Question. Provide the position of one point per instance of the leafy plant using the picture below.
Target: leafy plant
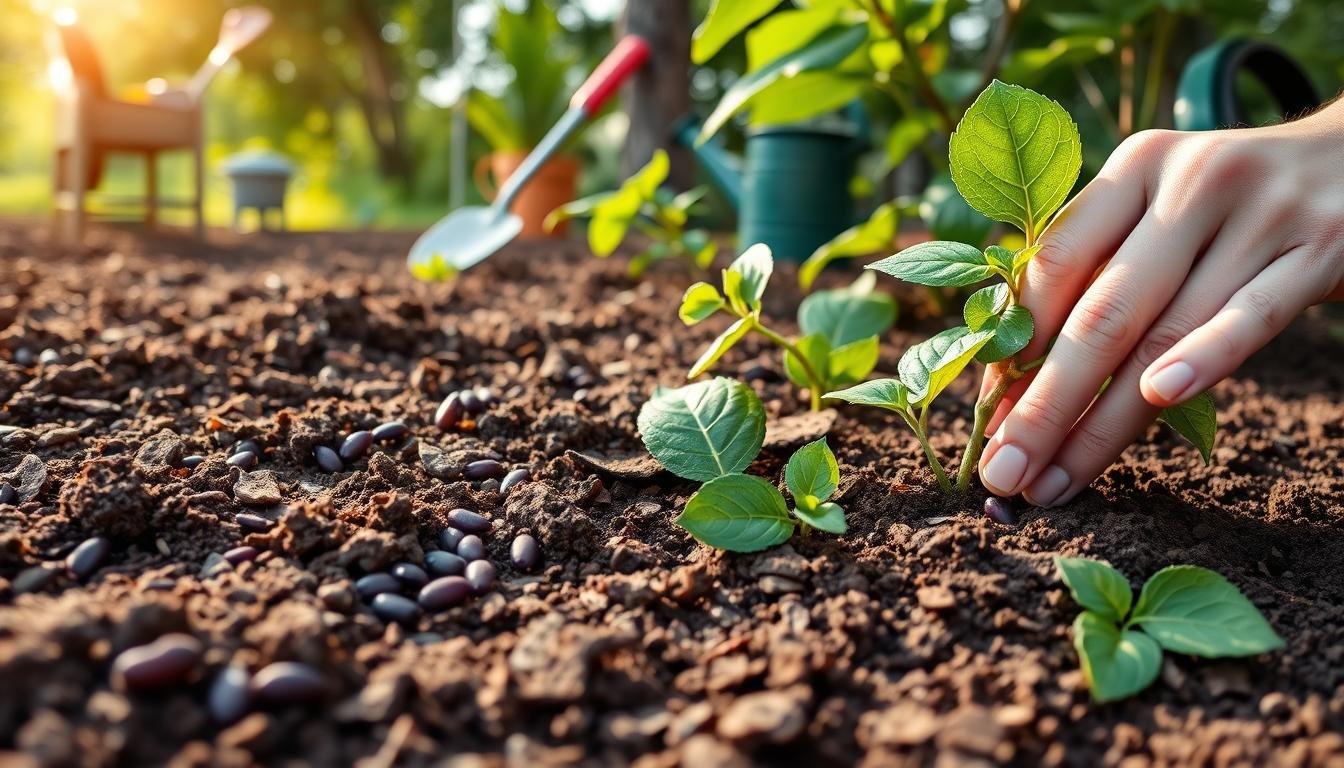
(642, 203)
(711, 431)
(1182, 608)
(1014, 156)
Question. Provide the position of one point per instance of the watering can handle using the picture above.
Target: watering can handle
(1206, 97)
(628, 55)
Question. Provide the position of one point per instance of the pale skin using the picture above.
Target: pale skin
(1186, 254)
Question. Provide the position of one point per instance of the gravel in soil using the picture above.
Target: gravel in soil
(928, 633)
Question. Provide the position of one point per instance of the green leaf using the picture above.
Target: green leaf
(1012, 333)
(874, 235)
(1022, 257)
(937, 263)
(436, 270)
(1096, 586)
(805, 96)
(700, 301)
(985, 305)
(845, 316)
(704, 430)
(574, 209)
(786, 31)
(1015, 156)
(1115, 663)
(851, 362)
(826, 50)
(906, 136)
(927, 368)
(611, 220)
(949, 216)
(826, 516)
(1196, 420)
(493, 120)
(1029, 65)
(647, 179)
(890, 394)
(745, 279)
(812, 471)
(722, 344)
(817, 350)
(1000, 257)
(726, 18)
(739, 513)
(1194, 610)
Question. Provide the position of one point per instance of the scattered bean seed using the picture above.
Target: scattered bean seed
(449, 538)
(392, 430)
(160, 585)
(167, 660)
(285, 682)
(449, 413)
(513, 478)
(356, 444)
(251, 446)
(241, 555)
(252, 522)
(481, 575)
(87, 557)
(524, 552)
(229, 695)
(394, 607)
(193, 461)
(1000, 511)
(445, 564)
(49, 357)
(486, 396)
(410, 575)
(470, 402)
(327, 459)
(471, 548)
(466, 520)
(376, 584)
(426, 638)
(243, 460)
(8, 495)
(444, 593)
(23, 356)
(480, 470)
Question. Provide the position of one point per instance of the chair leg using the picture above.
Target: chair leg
(151, 190)
(199, 202)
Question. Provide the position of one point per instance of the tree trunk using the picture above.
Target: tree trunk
(661, 92)
(382, 110)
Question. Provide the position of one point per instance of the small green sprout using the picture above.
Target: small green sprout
(437, 270)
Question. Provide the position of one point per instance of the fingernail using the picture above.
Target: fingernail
(1172, 381)
(1005, 470)
(1049, 487)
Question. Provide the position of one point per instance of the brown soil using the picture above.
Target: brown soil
(927, 634)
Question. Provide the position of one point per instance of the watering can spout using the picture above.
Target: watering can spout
(723, 167)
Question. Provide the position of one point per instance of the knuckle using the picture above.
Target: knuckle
(1144, 146)
(1105, 322)
(1160, 339)
(1054, 262)
(1263, 307)
(1095, 438)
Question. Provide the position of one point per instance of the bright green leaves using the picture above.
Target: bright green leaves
(1015, 156)
(890, 394)
(990, 310)
(700, 301)
(927, 368)
(875, 234)
(436, 270)
(726, 18)
(1196, 420)
(744, 284)
(704, 430)
(937, 263)
(739, 513)
(846, 315)
(745, 279)
(724, 342)
(812, 471)
(1182, 608)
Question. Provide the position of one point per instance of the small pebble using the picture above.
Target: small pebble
(513, 478)
(1000, 511)
(524, 552)
(471, 548)
(167, 660)
(8, 495)
(252, 522)
(470, 402)
(160, 585)
(480, 470)
(410, 575)
(444, 593)
(466, 520)
(23, 356)
(229, 695)
(249, 446)
(49, 357)
(449, 413)
(450, 538)
(243, 460)
(393, 607)
(286, 682)
(327, 459)
(193, 461)
(481, 575)
(376, 584)
(356, 444)
(445, 564)
(241, 555)
(486, 396)
(392, 430)
(337, 596)
(87, 557)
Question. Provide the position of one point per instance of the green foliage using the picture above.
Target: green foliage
(725, 20)
(739, 513)
(841, 328)
(1182, 608)
(937, 263)
(1196, 420)
(705, 430)
(928, 367)
(875, 234)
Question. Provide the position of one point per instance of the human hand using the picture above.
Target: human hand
(1211, 244)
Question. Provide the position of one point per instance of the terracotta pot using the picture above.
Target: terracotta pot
(552, 187)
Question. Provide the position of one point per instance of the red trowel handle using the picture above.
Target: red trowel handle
(628, 55)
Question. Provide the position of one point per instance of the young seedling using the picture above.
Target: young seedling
(1182, 608)
(1014, 157)
(711, 431)
(840, 328)
(642, 204)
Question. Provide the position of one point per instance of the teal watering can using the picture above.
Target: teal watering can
(791, 187)
(1207, 96)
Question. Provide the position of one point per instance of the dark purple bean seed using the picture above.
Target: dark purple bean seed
(193, 461)
(23, 356)
(449, 412)
(356, 444)
(376, 584)
(470, 402)
(444, 593)
(445, 563)
(480, 470)
(327, 459)
(466, 520)
(165, 661)
(252, 522)
(241, 555)
(410, 575)
(250, 446)
(393, 607)
(449, 538)
(471, 548)
(286, 682)
(513, 478)
(243, 460)
(481, 576)
(8, 495)
(524, 552)
(49, 357)
(1000, 511)
(229, 695)
(486, 396)
(392, 430)
(160, 585)
(87, 557)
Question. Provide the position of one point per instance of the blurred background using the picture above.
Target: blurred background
(359, 94)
